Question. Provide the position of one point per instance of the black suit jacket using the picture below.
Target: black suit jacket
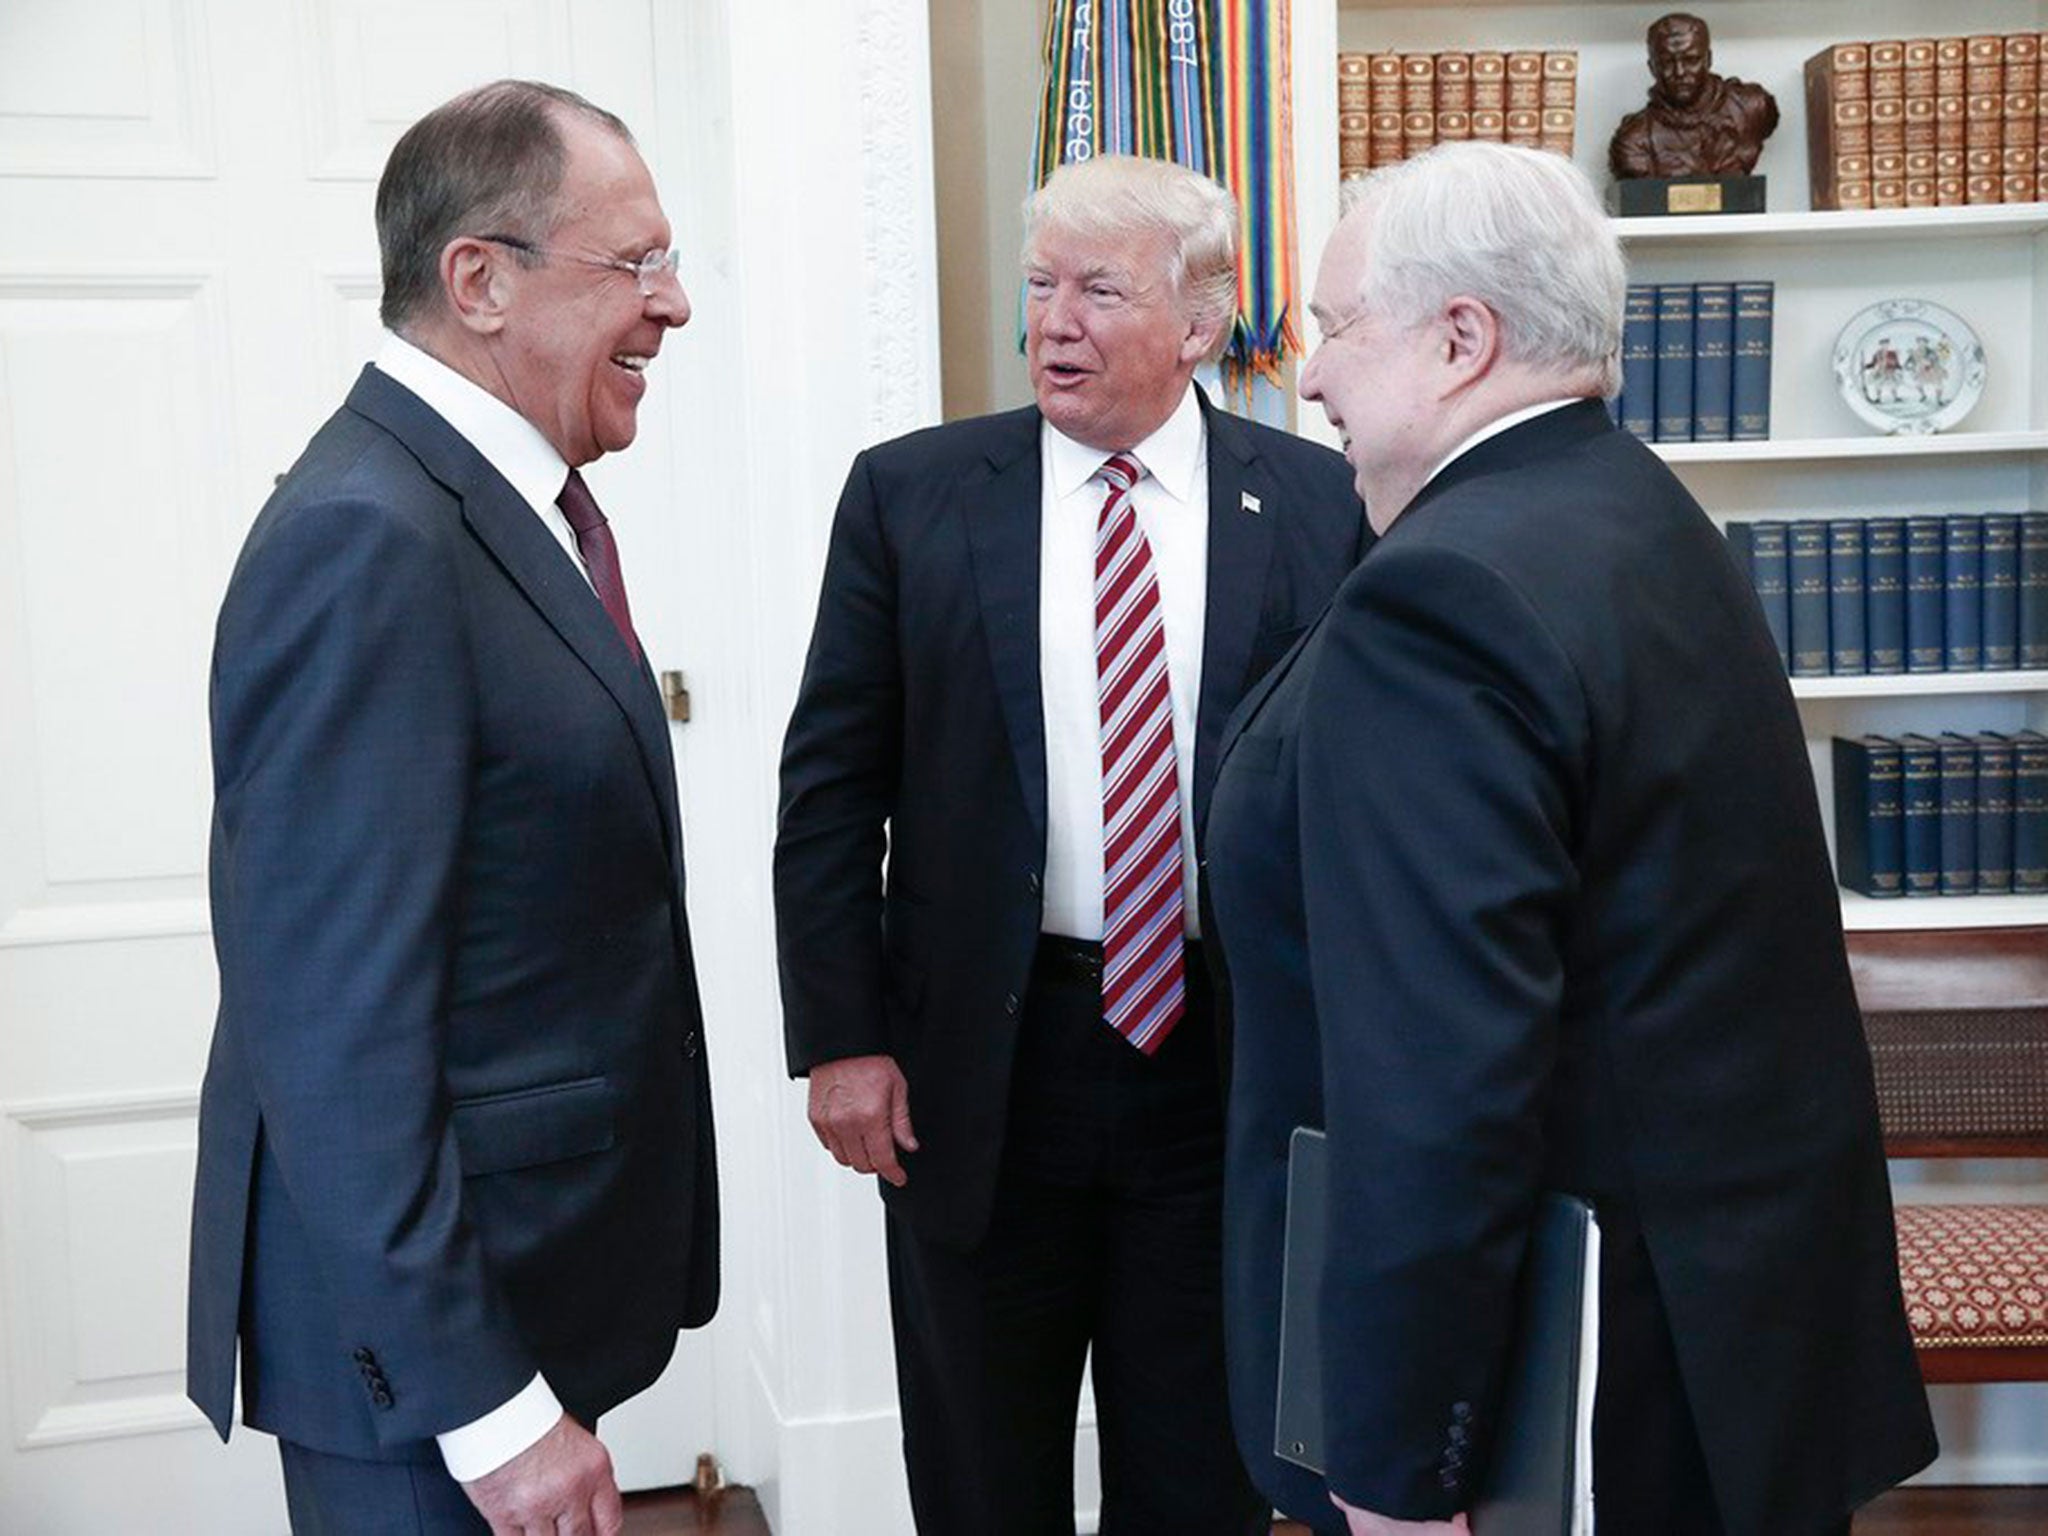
(919, 729)
(456, 1126)
(1517, 869)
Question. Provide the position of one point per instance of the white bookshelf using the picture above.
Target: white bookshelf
(1987, 264)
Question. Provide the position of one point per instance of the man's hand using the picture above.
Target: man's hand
(860, 1108)
(561, 1485)
(1364, 1522)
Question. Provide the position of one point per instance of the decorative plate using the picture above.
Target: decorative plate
(1908, 365)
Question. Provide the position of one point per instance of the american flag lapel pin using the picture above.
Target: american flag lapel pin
(1247, 502)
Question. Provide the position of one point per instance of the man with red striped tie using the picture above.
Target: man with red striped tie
(1032, 628)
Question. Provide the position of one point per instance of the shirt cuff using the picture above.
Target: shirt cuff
(483, 1445)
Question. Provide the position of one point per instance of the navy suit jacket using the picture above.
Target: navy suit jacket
(919, 727)
(1517, 871)
(456, 1126)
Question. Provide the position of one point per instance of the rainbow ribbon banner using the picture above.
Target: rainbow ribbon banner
(1204, 83)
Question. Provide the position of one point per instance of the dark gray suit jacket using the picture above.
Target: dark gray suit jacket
(456, 1126)
(1517, 869)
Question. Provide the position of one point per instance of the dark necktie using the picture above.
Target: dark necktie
(600, 555)
(1143, 986)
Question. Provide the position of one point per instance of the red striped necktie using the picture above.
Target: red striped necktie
(600, 554)
(1143, 985)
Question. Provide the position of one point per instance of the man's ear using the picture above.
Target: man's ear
(474, 278)
(1202, 340)
(1470, 337)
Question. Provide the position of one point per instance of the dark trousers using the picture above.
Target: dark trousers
(328, 1495)
(1106, 1236)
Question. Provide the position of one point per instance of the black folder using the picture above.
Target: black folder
(1539, 1480)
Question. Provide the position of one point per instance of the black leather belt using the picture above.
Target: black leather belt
(1080, 960)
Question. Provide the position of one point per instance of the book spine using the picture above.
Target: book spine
(1354, 144)
(1750, 372)
(2001, 637)
(1984, 119)
(1884, 594)
(1354, 82)
(1770, 572)
(1994, 814)
(1838, 126)
(2033, 590)
(1524, 127)
(1846, 655)
(1807, 567)
(1713, 365)
(1674, 362)
(1920, 122)
(1924, 641)
(1418, 103)
(1453, 83)
(1869, 851)
(1920, 815)
(1962, 583)
(2029, 813)
(1639, 361)
(2021, 107)
(1384, 121)
(1951, 55)
(1489, 82)
(1525, 81)
(1958, 759)
(1888, 125)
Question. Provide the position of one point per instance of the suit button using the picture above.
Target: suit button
(381, 1396)
(363, 1355)
(1031, 881)
(1459, 1435)
(1011, 1005)
(690, 1044)
(1461, 1411)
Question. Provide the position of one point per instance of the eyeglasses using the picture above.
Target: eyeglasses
(648, 271)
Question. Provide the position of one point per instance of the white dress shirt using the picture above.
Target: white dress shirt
(1172, 504)
(512, 446)
(510, 443)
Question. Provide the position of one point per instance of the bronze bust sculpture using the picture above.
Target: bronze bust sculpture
(1696, 123)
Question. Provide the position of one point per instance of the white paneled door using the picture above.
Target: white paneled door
(187, 283)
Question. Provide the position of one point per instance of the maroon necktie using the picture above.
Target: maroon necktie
(600, 555)
(1143, 985)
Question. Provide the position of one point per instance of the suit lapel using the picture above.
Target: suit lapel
(1003, 509)
(1240, 553)
(522, 546)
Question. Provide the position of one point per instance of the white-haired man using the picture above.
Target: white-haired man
(1518, 869)
(1032, 628)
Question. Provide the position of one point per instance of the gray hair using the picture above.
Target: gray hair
(1121, 195)
(1521, 230)
(488, 162)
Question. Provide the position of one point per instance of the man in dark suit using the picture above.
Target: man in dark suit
(1518, 874)
(1032, 628)
(456, 1187)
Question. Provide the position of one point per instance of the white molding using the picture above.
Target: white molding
(1911, 685)
(1891, 225)
(177, 145)
(1794, 449)
(106, 922)
(899, 287)
(102, 1108)
(114, 1419)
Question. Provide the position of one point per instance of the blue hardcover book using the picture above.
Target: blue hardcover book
(1962, 585)
(2033, 595)
(1761, 552)
(1674, 362)
(1639, 361)
(1807, 566)
(1846, 656)
(1920, 814)
(2001, 577)
(1751, 392)
(1924, 538)
(1713, 362)
(1994, 813)
(1884, 593)
(2029, 813)
(1869, 840)
(1958, 758)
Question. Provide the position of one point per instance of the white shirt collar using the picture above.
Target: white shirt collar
(1495, 428)
(510, 443)
(1172, 455)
